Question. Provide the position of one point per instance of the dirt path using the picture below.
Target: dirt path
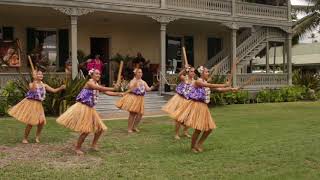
(53, 155)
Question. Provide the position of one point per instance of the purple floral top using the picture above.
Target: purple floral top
(39, 94)
(88, 97)
(139, 91)
(184, 89)
(200, 94)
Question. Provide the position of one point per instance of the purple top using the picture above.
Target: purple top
(39, 94)
(184, 89)
(198, 94)
(88, 97)
(139, 91)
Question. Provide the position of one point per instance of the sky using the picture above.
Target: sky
(306, 38)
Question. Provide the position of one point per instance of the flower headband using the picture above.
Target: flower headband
(200, 69)
(91, 71)
(135, 70)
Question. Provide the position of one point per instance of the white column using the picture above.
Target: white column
(233, 8)
(274, 57)
(163, 33)
(163, 4)
(74, 45)
(233, 56)
(284, 57)
(289, 51)
(74, 13)
(267, 57)
(289, 11)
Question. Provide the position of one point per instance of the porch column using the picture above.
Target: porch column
(233, 6)
(289, 51)
(163, 33)
(284, 57)
(289, 11)
(163, 4)
(74, 13)
(267, 57)
(164, 21)
(274, 57)
(74, 45)
(233, 56)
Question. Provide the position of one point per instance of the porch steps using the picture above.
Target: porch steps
(107, 109)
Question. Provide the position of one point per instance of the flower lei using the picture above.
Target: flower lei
(208, 93)
(95, 96)
(200, 69)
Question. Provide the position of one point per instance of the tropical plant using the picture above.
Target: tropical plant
(310, 21)
(307, 79)
(59, 102)
(118, 57)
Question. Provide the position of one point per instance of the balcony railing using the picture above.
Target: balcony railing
(262, 80)
(242, 9)
(260, 10)
(214, 6)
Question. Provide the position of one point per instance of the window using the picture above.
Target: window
(174, 60)
(43, 48)
(46, 43)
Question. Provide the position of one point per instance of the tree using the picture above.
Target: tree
(310, 21)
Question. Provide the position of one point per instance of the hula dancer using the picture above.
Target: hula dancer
(30, 110)
(82, 116)
(196, 113)
(133, 102)
(181, 97)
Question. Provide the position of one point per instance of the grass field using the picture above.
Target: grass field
(257, 141)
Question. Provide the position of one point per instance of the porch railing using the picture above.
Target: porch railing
(225, 7)
(6, 77)
(155, 3)
(263, 80)
(260, 10)
(218, 6)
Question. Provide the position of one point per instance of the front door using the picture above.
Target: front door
(214, 46)
(100, 46)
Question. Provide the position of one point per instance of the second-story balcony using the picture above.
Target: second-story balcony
(211, 10)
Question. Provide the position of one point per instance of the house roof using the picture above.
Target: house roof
(302, 54)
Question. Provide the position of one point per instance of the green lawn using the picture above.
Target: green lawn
(257, 141)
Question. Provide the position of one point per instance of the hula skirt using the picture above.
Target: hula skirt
(132, 103)
(28, 111)
(82, 118)
(173, 104)
(196, 115)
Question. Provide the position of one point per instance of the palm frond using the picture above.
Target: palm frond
(308, 23)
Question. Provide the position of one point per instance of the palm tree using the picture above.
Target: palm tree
(310, 21)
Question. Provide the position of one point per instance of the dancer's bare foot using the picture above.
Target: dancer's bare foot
(94, 147)
(79, 152)
(37, 140)
(199, 148)
(187, 135)
(177, 137)
(25, 141)
(130, 131)
(194, 150)
(136, 130)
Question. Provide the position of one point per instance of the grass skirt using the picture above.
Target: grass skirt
(195, 115)
(82, 118)
(28, 111)
(173, 104)
(131, 103)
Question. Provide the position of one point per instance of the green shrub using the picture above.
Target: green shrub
(306, 79)
(217, 99)
(285, 94)
(54, 104)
